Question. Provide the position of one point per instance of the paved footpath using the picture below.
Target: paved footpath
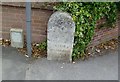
(0, 63)
(17, 67)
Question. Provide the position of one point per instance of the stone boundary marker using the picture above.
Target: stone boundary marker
(60, 37)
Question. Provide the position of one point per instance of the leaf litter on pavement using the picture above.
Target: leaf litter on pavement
(38, 53)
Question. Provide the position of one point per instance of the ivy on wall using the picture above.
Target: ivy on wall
(85, 15)
(43, 46)
(118, 6)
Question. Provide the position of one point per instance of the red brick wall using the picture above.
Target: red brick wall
(14, 17)
(103, 35)
(39, 5)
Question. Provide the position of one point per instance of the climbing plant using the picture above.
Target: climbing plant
(85, 15)
(43, 45)
(118, 6)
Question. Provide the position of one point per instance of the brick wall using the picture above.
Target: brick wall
(38, 5)
(103, 35)
(14, 17)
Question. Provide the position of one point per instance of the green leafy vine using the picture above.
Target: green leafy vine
(85, 15)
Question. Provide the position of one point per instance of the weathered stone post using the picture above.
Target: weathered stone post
(60, 37)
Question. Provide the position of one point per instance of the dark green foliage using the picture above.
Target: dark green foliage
(118, 6)
(43, 45)
(85, 15)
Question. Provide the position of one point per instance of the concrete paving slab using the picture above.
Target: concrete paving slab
(0, 63)
(101, 68)
(0, 69)
(0, 51)
(16, 67)
(14, 64)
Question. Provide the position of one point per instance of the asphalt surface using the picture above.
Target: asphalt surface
(0, 63)
(15, 66)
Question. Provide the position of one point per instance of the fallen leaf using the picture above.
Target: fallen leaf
(106, 47)
(97, 50)
(27, 56)
(61, 67)
(73, 62)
